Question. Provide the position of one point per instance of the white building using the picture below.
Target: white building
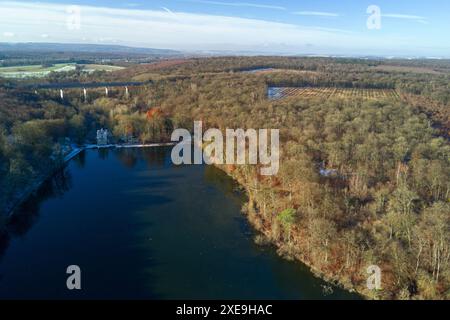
(102, 137)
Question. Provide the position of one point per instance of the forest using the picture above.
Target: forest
(362, 181)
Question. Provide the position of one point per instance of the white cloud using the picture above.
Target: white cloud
(184, 31)
(8, 34)
(158, 28)
(316, 13)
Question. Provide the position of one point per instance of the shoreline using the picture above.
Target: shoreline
(250, 216)
(11, 207)
(257, 222)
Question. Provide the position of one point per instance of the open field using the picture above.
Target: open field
(100, 67)
(34, 70)
(40, 71)
(276, 93)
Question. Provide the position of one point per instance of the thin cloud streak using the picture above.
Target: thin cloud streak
(316, 13)
(169, 11)
(419, 19)
(402, 16)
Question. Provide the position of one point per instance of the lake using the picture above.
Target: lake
(141, 228)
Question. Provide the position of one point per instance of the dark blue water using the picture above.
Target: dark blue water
(139, 227)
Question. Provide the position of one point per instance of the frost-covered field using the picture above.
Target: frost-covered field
(39, 71)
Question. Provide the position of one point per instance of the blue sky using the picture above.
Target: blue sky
(407, 28)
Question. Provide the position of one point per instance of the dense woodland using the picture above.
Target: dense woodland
(385, 203)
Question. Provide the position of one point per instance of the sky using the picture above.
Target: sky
(323, 27)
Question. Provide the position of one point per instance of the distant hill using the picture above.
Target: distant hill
(87, 48)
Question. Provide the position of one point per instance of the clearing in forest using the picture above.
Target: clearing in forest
(276, 93)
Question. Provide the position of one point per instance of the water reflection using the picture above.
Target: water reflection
(80, 160)
(103, 153)
(127, 157)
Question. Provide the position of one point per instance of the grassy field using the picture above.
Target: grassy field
(100, 67)
(34, 70)
(276, 93)
(39, 71)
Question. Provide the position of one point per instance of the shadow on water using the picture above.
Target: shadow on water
(218, 179)
(27, 214)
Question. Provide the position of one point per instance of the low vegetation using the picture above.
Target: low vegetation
(308, 92)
